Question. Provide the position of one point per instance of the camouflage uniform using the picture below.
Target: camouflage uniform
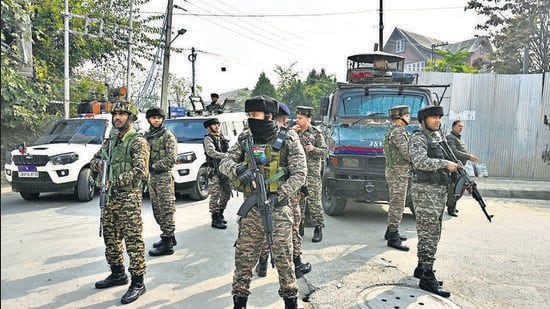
(163, 147)
(428, 191)
(396, 143)
(122, 219)
(219, 187)
(251, 236)
(314, 136)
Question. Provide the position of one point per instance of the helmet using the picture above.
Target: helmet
(214, 95)
(155, 111)
(124, 107)
(210, 122)
(262, 103)
(430, 111)
(398, 111)
(283, 109)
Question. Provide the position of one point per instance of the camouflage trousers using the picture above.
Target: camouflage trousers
(313, 201)
(429, 204)
(252, 239)
(163, 201)
(122, 221)
(293, 203)
(219, 189)
(397, 178)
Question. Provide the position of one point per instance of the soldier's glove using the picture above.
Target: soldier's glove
(304, 191)
(244, 175)
(272, 198)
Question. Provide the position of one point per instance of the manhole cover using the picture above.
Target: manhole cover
(401, 297)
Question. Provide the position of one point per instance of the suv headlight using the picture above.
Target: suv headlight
(186, 157)
(64, 158)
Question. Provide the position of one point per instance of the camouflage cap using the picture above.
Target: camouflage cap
(305, 110)
(124, 107)
(398, 111)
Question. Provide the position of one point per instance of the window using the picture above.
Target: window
(356, 104)
(400, 46)
(415, 66)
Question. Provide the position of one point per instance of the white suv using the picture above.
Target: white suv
(190, 171)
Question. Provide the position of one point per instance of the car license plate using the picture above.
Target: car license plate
(28, 171)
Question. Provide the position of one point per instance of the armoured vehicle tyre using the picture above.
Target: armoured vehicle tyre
(29, 196)
(332, 205)
(85, 187)
(200, 187)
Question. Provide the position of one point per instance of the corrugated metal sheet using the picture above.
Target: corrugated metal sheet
(503, 119)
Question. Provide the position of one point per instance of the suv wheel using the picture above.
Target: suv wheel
(332, 205)
(200, 187)
(85, 186)
(29, 196)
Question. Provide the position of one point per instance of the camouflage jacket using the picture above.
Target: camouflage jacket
(315, 137)
(396, 146)
(418, 151)
(163, 151)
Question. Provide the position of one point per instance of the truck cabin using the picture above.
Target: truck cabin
(377, 67)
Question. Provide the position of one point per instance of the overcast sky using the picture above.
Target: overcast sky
(314, 33)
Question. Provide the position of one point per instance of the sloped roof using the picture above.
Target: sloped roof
(422, 40)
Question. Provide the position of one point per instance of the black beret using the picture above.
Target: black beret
(305, 110)
(430, 111)
(262, 103)
(210, 122)
(155, 111)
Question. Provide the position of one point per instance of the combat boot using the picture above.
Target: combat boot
(222, 218)
(429, 283)
(402, 237)
(136, 289)
(165, 247)
(261, 267)
(117, 277)
(291, 303)
(239, 302)
(395, 242)
(300, 268)
(418, 273)
(317, 234)
(452, 211)
(157, 244)
(217, 222)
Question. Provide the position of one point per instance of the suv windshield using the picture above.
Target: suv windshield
(77, 131)
(187, 130)
(356, 104)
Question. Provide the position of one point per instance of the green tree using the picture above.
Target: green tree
(286, 77)
(512, 26)
(318, 85)
(264, 87)
(451, 62)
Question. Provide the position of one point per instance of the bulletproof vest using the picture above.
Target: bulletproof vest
(222, 145)
(156, 145)
(441, 176)
(121, 159)
(393, 156)
(268, 160)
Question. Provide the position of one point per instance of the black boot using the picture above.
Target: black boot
(317, 234)
(136, 289)
(300, 268)
(429, 283)
(239, 302)
(402, 237)
(418, 273)
(165, 247)
(157, 244)
(217, 222)
(395, 242)
(291, 303)
(117, 277)
(261, 267)
(452, 211)
(222, 218)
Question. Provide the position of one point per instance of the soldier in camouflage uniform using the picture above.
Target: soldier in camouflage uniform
(314, 144)
(300, 269)
(275, 150)
(457, 145)
(219, 188)
(129, 163)
(396, 151)
(163, 149)
(429, 192)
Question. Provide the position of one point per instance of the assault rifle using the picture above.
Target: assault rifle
(105, 173)
(266, 210)
(464, 180)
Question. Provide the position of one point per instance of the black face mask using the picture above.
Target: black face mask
(262, 130)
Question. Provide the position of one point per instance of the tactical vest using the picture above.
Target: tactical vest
(393, 156)
(156, 145)
(439, 177)
(121, 159)
(221, 145)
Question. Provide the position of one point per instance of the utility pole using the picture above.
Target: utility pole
(166, 61)
(66, 96)
(129, 60)
(381, 28)
(192, 57)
